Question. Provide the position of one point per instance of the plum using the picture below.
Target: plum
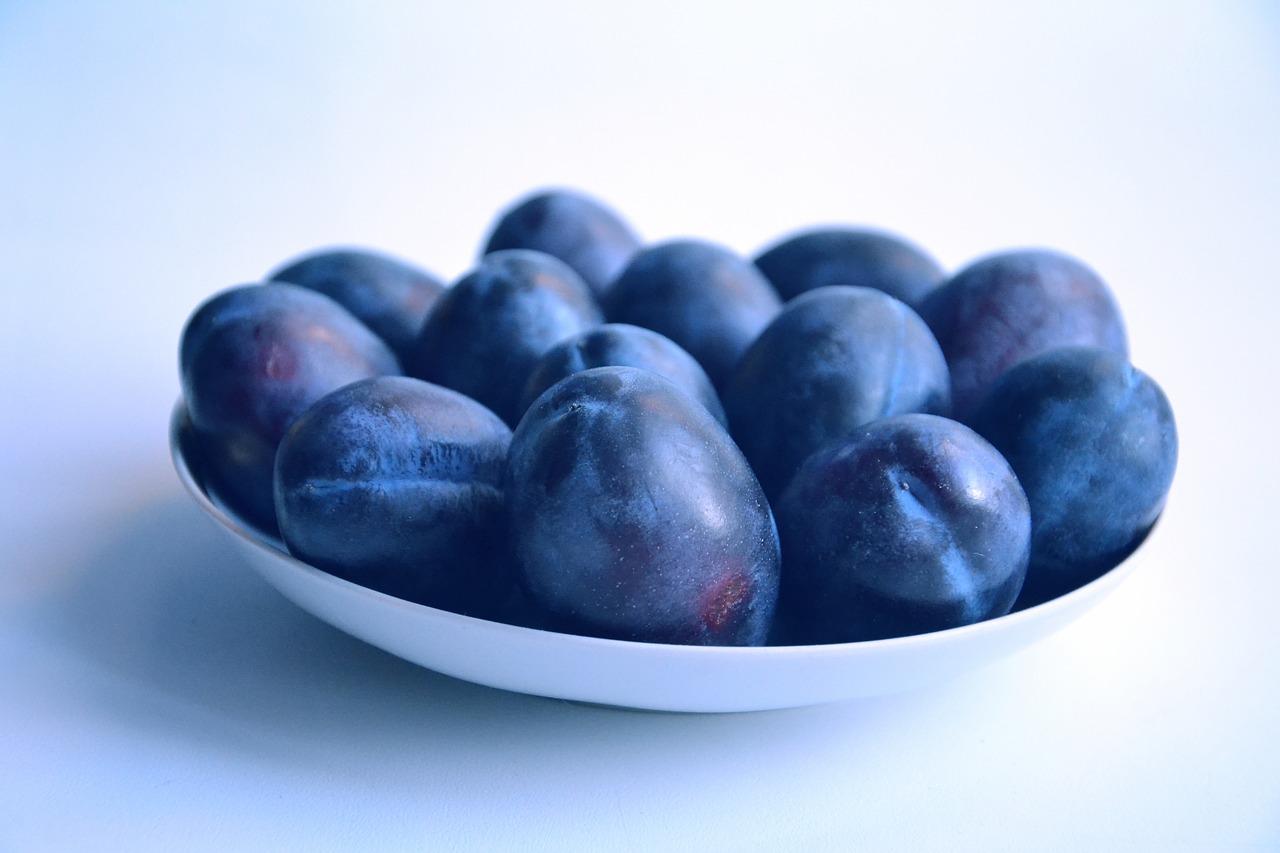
(834, 358)
(703, 296)
(633, 515)
(623, 345)
(908, 525)
(1094, 443)
(572, 226)
(862, 257)
(1012, 305)
(486, 333)
(396, 484)
(389, 295)
(251, 359)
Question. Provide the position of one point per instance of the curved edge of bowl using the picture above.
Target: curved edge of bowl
(624, 673)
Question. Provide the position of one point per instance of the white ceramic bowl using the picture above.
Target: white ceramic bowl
(629, 674)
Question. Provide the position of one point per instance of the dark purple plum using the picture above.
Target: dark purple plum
(634, 516)
(1010, 306)
(574, 227)
(396, 484)
(834, 359)
(486, 333)
(251, 359)
(861, 257)
(908, 525)
(622, 345)
(1094, 444)
(388, 295)
(703, 296)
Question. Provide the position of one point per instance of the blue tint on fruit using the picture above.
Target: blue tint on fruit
(486, 333)
(1010, 306)
(703, 296)
(622, 345)
(388, 295)
(574, 227)
(396, 484)
(251, 359)
(834, 359)
(634, 516)
(1094, 442)
(860, 257)
(910, 524)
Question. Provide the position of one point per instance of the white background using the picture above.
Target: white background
(156, 695)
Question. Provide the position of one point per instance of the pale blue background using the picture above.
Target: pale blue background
(156, 695)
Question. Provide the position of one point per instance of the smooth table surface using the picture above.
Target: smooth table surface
(156, 694)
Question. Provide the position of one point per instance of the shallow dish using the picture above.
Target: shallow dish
(628, 674)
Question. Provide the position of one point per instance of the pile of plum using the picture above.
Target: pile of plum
(833, 442)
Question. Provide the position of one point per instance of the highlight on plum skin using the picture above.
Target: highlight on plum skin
(634, 516)
(909, 525)
(623, 345)
(590, 434)
(835, 358)
(396, 484)
(485, 334)
(389, 295)
(251, 359)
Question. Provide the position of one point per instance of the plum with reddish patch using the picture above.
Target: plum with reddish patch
(633, 515)
(252, 358)
(1010, 306)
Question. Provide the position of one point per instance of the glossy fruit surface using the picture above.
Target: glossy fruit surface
(1012, 305)
(1094, 443)
(388, 295)
(622, 345)
(912, 524)
(834, 359)
(702, 295)
(252, 358)
(572, 226)
(859, 257)
(396, 484)
(486, 333)
(634, 516)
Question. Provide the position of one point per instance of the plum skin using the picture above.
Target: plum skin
(388, 295)
(861, 257)
(486, 333)
(834, 359)
(1010, 306)
(572, 226)
(623, 345)
(396, 484)
(634, 516)
(699, 294)
(251, 359)
(909, 525)
(1094, 443)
